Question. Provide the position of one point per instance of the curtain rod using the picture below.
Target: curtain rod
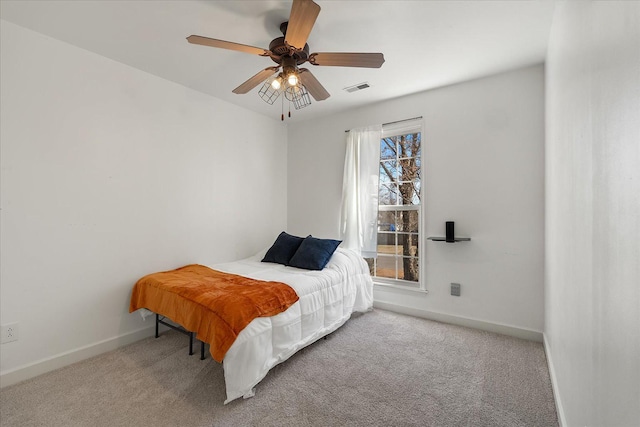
(397, 121)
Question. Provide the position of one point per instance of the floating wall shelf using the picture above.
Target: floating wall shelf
(444, 239)
(450, 238)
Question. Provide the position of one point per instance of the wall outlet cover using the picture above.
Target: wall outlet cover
(455, 289)
(9, 332)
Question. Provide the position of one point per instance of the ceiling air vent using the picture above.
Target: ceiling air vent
(357, 87)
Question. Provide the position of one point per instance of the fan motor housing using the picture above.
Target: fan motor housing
(279, 48)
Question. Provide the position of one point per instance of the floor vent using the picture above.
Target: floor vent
(357, 87)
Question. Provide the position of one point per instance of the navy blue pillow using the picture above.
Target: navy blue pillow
(314, 253)
(283, 249)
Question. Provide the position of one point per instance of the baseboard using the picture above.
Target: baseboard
(527, 334)
(34, 369)
(554, 383)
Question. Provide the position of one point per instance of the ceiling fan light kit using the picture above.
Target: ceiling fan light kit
(272, 89)
(289, 52)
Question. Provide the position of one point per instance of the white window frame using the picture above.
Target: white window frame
(397, 129)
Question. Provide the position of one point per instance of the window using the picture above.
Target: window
(399, 210)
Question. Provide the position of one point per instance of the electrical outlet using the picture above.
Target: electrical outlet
(455, 289)
(9, 332)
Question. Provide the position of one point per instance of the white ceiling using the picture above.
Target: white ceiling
(426, 44)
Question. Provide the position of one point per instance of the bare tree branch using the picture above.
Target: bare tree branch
(388, 173)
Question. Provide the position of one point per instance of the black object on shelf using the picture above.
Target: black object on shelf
(449, 235)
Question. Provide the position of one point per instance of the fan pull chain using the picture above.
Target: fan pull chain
(282, 108)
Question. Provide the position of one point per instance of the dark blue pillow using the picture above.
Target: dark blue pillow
(283, 249)
(314, 253)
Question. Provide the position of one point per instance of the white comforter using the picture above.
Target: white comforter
(327, 299)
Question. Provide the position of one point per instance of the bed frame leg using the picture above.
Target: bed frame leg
(190, 343)
(157, 323)
(201, 350)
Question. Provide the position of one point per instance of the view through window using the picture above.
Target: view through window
(399, 208)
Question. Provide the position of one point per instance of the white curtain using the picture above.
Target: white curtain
(359, 214)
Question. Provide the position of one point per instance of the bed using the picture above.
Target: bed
(327, 298)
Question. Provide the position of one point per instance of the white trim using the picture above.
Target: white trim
(554, 383)
(499, 328)
(377, 282)
(402, 127)
(390, 208)
(21, 373)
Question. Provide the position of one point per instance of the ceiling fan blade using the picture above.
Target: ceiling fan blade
(206, 41)
(343, 59)
(301, 19)
(312, 84)
(255, 80)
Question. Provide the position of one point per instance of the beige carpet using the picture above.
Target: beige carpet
(379, 369)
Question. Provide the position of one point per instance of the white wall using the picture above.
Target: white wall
(484, 154)
(592, 279)
(109, 173)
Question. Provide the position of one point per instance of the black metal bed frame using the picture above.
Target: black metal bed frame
(182, 331)
(190, 334)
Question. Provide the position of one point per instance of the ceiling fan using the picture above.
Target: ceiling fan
(289, 52)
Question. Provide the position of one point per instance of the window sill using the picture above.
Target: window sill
(389, 286)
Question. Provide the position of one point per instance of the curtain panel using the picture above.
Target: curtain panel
(359, 212)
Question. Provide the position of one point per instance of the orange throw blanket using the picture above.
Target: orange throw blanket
(214, 305)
